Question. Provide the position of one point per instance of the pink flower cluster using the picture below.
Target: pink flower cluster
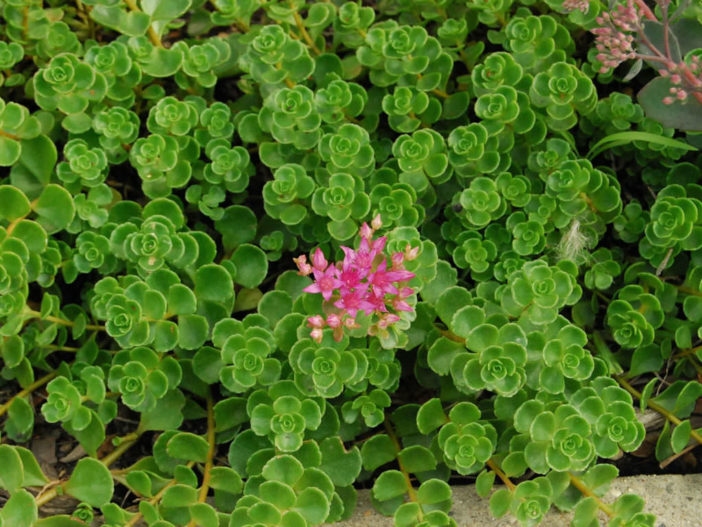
(613, 43)
(576, 5)
(364, 281)
(686, 79)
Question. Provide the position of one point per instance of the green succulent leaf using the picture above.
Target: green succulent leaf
(90, 482)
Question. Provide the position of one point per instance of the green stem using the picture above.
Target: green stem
(108, 460)
(153, 501)
(303, 31)
(505, 479)
(153, 36)
(113, 456)
(586, 491)
(396, 443)
(209, 461)
(657, 407)
(29, 389)
(606, 354)
(56, 320)
(688, 290)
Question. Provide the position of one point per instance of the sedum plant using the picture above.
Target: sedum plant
(255, 256)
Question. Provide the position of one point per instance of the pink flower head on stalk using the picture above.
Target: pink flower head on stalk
(576, 5)
(620, 29)
(613, 43)
(360, 282)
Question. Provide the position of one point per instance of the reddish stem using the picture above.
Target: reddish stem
(646, 10)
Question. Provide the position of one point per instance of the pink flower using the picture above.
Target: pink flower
(375, 303)
(352, 302)
(381, 281)
(351, 278)
(360, 282)
(325, 282)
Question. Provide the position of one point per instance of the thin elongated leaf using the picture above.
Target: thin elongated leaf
(622, 138)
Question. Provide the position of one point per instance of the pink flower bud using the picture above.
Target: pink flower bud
(401, 305)
(411, 253)
(334, 321)
(405, 292)
(315, 321)
(682, 95)
(397, 259)
(365, 231)
(668, 100)
(387, 320)
(304, 268)
(318, 260)
(316, 335)
(675, 78)
(351, 323)
(377, 222)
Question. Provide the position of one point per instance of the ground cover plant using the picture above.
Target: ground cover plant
(255, 255)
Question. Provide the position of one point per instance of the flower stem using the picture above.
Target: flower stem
(646, 10)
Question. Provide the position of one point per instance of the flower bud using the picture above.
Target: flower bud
(316, 335)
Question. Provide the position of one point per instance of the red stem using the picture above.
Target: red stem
(646, 10)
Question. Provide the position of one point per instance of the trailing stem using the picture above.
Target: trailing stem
(396, 443)
(586, 491)
(209, 461)
(656, 407)
(56, 320)
(112, 457)
(153, 36)
(155, 499)
(29, 389)
(498, 471)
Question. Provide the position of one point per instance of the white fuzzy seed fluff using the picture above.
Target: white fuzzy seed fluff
(573, 243)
